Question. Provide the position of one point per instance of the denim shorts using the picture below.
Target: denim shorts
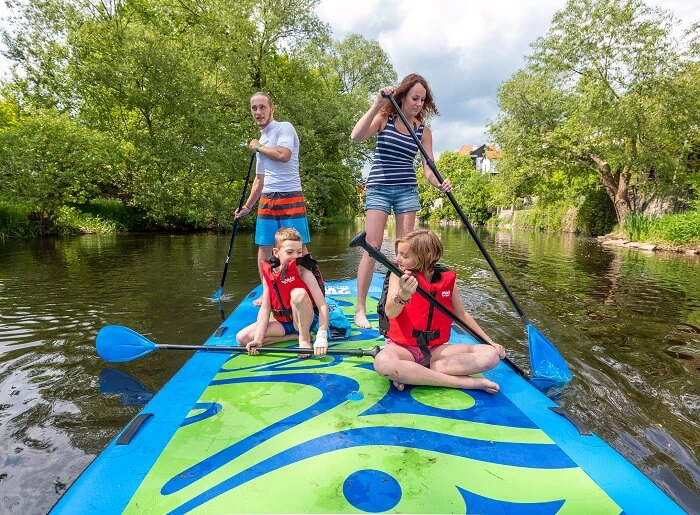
(403, 199)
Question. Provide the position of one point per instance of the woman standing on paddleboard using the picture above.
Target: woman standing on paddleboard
(392, 182)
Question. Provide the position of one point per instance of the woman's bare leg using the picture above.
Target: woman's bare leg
(374, 227)
(405, 223)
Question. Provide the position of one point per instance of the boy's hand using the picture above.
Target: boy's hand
(251, 347)
(321, 343)
(407, 285)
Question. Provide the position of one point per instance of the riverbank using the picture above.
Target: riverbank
(679, 232)
(618, 240)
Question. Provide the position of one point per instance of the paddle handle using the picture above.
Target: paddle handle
(270, 350)
(361, 240)
(457, 207)
(235, 223)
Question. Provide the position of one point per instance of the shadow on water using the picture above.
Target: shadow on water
(625, 320)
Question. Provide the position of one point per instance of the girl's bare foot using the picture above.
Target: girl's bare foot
(480, 383)
(258, 301)
(361, 320)
(398, 386)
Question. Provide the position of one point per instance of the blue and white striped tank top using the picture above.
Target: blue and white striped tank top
(393, 157)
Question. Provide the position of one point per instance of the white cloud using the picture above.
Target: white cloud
(464, 48)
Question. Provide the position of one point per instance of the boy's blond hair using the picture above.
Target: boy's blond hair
(286, 234)
(427, 247)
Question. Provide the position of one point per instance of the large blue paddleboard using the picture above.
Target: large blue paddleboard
(232, 433)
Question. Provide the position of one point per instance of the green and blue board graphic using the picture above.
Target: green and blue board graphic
(232, 433)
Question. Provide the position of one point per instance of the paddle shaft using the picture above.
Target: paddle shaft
(269, 350)
(461, 214)
(235, 223)
(361, 240)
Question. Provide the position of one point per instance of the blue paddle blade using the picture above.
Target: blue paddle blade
(118, 344)
(217, 295)
(548, 365)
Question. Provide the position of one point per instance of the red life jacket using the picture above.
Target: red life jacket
(281, 283)
(419, 323)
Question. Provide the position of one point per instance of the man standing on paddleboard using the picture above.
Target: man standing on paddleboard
(277, 183)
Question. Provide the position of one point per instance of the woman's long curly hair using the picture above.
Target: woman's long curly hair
(402, 90)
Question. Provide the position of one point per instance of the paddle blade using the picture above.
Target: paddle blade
(547, 363)
(217, 295)
(119, 344)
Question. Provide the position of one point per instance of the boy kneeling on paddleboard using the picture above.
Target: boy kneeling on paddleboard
(293, 300)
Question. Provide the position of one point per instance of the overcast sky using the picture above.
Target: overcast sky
(464, 48)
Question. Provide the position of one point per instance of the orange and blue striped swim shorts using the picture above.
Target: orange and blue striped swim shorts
(277, 210)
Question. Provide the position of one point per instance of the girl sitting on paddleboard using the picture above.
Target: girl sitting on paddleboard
(416, 350)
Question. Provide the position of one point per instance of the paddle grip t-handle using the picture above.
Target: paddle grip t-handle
(361, 241)
(457, 207)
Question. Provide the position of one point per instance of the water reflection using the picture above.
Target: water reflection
(625, 320)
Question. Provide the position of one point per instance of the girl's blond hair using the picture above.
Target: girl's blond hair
(427, 247)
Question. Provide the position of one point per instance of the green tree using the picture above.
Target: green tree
(49, 161)
(607, 92)
(169, 83)
(470, 189)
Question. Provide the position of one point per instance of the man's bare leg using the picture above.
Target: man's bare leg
(264, 253)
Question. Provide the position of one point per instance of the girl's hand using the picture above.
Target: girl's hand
(408, 285)
(500, 348)
(445, 186)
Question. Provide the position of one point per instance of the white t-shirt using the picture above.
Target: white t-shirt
(279, 177)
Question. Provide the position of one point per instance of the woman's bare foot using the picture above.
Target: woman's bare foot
(398, 386)
(361, 320)
(258, 301)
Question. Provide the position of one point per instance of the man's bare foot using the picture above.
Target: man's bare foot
(398, 386)
(258, 301)
(361, 320)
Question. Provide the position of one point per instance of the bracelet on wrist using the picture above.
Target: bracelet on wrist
(400, 301)
(257, 149)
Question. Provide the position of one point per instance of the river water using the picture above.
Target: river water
(627, 322)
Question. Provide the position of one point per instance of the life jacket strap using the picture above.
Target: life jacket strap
(422, 338)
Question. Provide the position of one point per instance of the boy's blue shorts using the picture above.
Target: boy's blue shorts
(289, 326)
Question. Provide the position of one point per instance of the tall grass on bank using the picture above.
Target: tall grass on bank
(638, 227)
(73, 221)
(14, 222)
(679, 229)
